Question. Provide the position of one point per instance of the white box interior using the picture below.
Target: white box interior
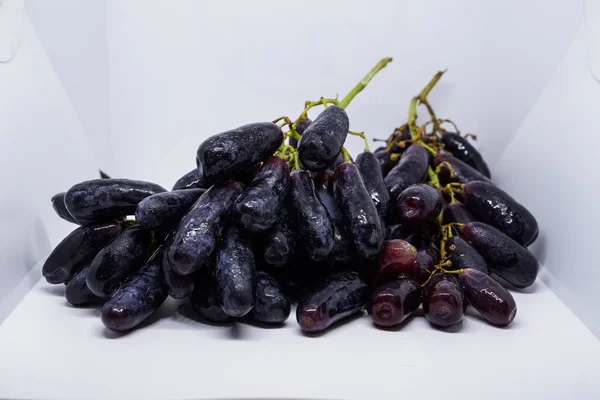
(133, 87)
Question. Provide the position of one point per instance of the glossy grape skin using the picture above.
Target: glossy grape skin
(235, 273)
(206, 301)
(363, 224)
(488, 297)
(322, 141)
(271, 305)
(191, 180)
(313, 227)
(392, 302)
(373, 180)
(163, 211)
(396, 259)
(463, 172)
(411, 169)
(419, 205)
(464, 151)
(138, 298)
(384, 159)
(463, 255)
(58, 203)
(178, 286)
(300, 128)
(280, 240)
(77, 293)
(497, 208)
(505, 257)
(458, 212)
(225, 155)
(198, 232)
(427, 258)
(107, 198)
(443, 300)
(119, 259)
(332, 299)
(261, 202)
(81, 244)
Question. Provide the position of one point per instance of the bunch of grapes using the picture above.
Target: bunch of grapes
(278, 213)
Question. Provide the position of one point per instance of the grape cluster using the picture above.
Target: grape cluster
(278, 213)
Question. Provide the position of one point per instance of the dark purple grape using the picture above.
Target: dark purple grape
(164, 210)
(361, 219)
(178, 286)
(463, 173)
(385, 161)
(119, 259)
(107, 198)
(487, 296)
(280, 240)
(392, 302)
(411, 169)
(419, 204)
(77, 292)
(199, 231)
(248, 175)
(81, 244)
(332, 299)
(496, 207)
(225, 155)
(422, 237)
(463, 255)
(314, 228)
(458, 212)
(398, 231)
(443, 300)
(58, 203)
(505, 257)
(339, 160)
(271, 305)
(322, 141)
(206, 301)
(235, 273)
(191, 180)
(138, 298)
(259, 205)
(373, 179)
(464, 151)
(300, 128)
(427, 258)
(396, 259)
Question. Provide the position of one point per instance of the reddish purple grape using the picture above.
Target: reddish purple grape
(443, 300)
(427, 258)
(396, 259)
(419, 205)
(392, 302)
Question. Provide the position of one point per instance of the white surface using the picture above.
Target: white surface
(49, 350)
(11, 22)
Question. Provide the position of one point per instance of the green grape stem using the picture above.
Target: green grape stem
(364, 82)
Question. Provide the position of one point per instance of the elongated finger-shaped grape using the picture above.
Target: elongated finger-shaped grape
(458, 212)
(362, 221)
(302, 125)
(419, 205)
(138, 298)
(107, 198)
(165, 210)
(385, 160)
(488, 297)
(373, 179)
(458, 170)
(199, 231)
(235, 273)
(396, 259)
(271, 305)
(313, 226)
(81, 244)
(392, 302)
(463, 255)
(280, 240)
(178, 285)
(58, 203)
(443, 300)
(261, 202)
(496, 207)
(77, 292)
(505, 257)
(191, 180)
(332, 299)
(206, 301)
(464, 151)
(411, 169)
(225, 155)
(119, 259)
(322, 141)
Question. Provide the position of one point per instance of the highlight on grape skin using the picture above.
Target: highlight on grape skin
(279, 214)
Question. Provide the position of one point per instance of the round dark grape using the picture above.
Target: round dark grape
(419, 205)
(392, 302)
(443, 300)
